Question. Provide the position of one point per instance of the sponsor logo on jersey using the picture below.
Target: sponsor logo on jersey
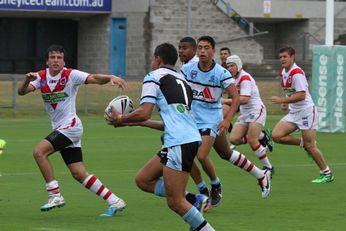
(289, 91)
(193, 74)
(212, 79)
(63, 81)
(53, 81)
(54, 97)
(206, 94)
(181, 108)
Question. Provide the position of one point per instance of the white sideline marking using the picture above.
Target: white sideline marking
(135, 170)
(50, 229)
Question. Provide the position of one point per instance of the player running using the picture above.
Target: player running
(252, 112)
(167, 89)
(208, 80)
(59, 86)
(301, 115)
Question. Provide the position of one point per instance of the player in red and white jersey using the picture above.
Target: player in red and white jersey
(252, 112)
(301, 115)
(59, 86)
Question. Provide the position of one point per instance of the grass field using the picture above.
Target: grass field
(115, 155)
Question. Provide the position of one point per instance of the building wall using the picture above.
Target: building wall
(94, 34)
(169, 21)
(153, 22)
(93, 44)
(138, 37)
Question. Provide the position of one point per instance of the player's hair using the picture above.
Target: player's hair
(225, 49)
(167, 52)
(288, 49)
(189, 40)
(57, 48)
(208, 39)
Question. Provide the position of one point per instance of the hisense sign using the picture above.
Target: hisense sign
(328, 88)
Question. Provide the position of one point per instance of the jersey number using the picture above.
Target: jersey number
(176, 90)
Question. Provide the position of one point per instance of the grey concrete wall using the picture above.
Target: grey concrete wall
(287, 9)
(292, 34)
(169, 21)
(93, 44)
(268, 41)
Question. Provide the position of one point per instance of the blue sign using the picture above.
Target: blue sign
(58, 5)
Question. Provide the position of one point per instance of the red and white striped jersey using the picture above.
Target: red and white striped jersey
(59, 94)
(294, 81)
(246, 86)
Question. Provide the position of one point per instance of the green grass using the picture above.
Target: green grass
(92, 99)
(115, 155)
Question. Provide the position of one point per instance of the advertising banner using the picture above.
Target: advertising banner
(328, 86)
(58, 5)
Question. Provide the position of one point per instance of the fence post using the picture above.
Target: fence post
(14, 95)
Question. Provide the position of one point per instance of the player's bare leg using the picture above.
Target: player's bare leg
(240, 160)
(41, 152)
(203, 156)
(208, 167)
(175, 184)
(281, 133)
(238, 133)
(148, 176)
(309, 140)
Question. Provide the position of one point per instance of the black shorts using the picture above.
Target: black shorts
(58, 140)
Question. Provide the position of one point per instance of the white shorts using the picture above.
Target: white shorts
(305, 119)
(179, 157)
(73, 131)
(208, 130)
(257, 116)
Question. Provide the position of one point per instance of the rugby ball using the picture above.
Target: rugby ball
(123, 104)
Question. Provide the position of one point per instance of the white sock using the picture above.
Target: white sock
(207, 227)
(53, 188)
(301, 143)
(326, 171)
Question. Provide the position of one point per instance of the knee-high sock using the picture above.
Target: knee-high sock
(240, 160)
(92, 183)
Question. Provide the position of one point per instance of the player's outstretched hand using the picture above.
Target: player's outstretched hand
(223, 126)
(276, 99)
(115, 118)
(115, 80)
(31, 76)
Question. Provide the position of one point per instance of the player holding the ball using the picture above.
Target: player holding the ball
(167, 90)
(59, 86)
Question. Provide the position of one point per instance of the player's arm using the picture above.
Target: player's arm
(245, 90)
(103, 79)
(141, 114)
(296, 97)
(226, 101)
(233, 94)
(244, 99)
(154, 124)
(25, 87)
(300, 84)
